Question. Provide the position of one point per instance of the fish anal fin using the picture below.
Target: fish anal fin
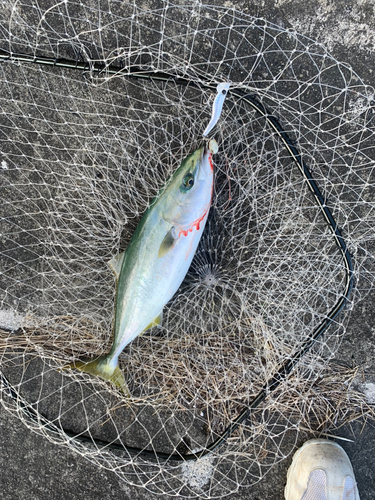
(116, 263)
(157, 321)
(168, 242)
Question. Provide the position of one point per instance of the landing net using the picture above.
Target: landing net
(117, 96)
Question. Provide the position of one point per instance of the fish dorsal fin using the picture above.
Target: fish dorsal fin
(168, 242)
(157, 321)
(116, 263)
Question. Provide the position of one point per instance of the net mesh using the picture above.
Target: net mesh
(316, 486)
(83, 153)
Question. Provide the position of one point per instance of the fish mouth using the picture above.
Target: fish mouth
(205, 167)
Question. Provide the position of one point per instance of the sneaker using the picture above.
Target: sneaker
(321, 470)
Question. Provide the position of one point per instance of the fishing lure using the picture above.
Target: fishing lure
(222, 90)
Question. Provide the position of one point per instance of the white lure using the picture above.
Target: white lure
(217, 107)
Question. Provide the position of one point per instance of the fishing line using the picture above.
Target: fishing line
(283, 372)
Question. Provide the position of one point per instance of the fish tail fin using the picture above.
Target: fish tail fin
(100, 367)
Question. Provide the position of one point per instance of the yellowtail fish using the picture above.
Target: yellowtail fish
(157, 259)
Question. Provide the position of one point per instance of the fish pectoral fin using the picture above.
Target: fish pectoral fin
(116, 263)
(157, 321)
(168, 242)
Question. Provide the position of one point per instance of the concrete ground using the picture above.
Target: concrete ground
(33, 468)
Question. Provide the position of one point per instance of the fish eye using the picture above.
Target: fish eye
(188, 181)
(223, 91)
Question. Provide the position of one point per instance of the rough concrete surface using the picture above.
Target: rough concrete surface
(32, 467)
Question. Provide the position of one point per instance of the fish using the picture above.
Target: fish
(152, 268)
(217, 106)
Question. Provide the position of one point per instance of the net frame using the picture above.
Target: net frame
(284, 370)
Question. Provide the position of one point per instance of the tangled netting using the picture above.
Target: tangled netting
(84, 151)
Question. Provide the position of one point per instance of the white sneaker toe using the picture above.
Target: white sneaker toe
(321, 470)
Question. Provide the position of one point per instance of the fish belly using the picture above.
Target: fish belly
(147, 282)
